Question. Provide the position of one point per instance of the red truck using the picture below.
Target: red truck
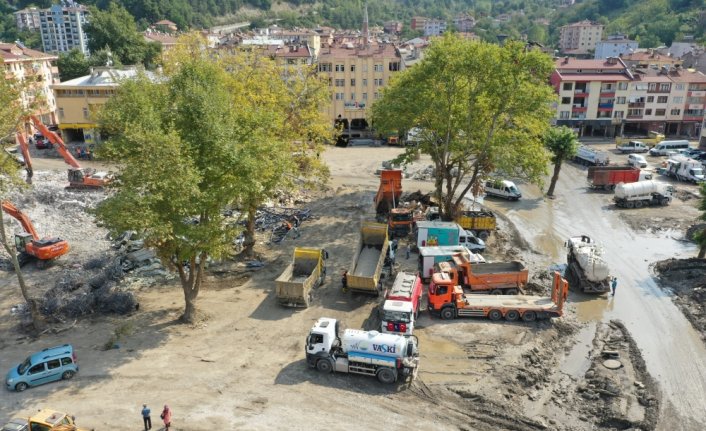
(607, 177)
(401, 306)
(495, 278)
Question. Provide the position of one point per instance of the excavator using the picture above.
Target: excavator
(28, 243)
(24, 149)
(79, 178)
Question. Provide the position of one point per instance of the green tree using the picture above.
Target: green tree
(12, 114)
(701, 236)
(73, 64)
(210, 135)
(562, 144)
(480, 107)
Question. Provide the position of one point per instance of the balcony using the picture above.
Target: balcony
(636, 105)
(608, 93)
(577, 108)
(634, 116)
(605, 106)
(658, 90)
(696, 94)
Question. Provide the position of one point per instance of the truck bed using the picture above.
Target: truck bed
(497, 268)
(539, 303)
(367, 261)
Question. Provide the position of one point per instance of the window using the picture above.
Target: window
(568, 86)
(620, 100)
(339, 96)
(660, 112)
(61, 113)
(680, 87)
(675, 111)
(634, 112)
(340, 82)
(36, 369)
(652, 86)
(564, 114)
(394, 66)
(365, 82)
(53, 364)
(618, 114)
(340, 68)
(291, 61)
(695, 100)
(378, 68)
(648, 112)
(678, 99)
(664, 86)
(352, 67)
(650, 99)
(352, 82)
(365, 96)
(66, 361)
(377, 95)
(85, 112)
(662, 99)
(352, 96)
(566, 100)
(640, 87)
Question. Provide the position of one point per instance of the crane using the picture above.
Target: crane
(79, 177)
(29, 244)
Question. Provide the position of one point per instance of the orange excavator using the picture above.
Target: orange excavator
(79, 178)
(28, 243)
(24, 149)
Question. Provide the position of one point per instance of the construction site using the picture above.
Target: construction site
(524, 348)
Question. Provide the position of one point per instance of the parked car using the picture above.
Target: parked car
(637, 161)
(41, 143)
(49, 365)
(16, 424)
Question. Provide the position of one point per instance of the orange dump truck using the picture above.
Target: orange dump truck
(495, 278)
(451, 302)
(387, 201)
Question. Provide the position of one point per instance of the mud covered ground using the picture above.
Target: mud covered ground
(687, 279)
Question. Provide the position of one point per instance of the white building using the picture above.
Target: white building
(434, 27)
(27, 19)
(615, 46)
(62, 27)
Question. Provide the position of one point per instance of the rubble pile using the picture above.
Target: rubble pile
(687, 279)
(424, 174)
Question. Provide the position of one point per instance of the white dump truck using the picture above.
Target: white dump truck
(389, 357)
(683, 169)
(590, 157)
(587, 270)
(643, 193)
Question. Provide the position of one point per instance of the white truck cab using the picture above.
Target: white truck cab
(502, 189)
(399, 312)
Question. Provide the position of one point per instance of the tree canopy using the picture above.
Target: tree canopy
(562, 143)
(480, 107)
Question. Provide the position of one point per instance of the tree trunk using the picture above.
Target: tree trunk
(191, 284)
(38, 322)
(702, 252)
(555, 178)
(249, 242)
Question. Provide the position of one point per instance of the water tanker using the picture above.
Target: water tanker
(586, 271)
(642, 193)
(389, 357)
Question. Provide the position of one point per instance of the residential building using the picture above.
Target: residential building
(357, 74)
(680, 48)
(608, 98)
(650, 59)
(695, 60)
(165, 26)
(28, 19)
(464, 23)
(167, 41)
(615, 46)
(579, 38)
(61, 27)
(300, 37)
(38, 71)
(77, 100)
(393, 27)
(291, 55)
(418, 23)
(434, 27)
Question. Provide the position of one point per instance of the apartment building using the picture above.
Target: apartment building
(434, 27)
(356, 75)
(418, 22)
(650, 59)
(614, 46)
(464, 23)
(78, 99)
(61, 27)
(580, 38)
(38, 71)
(291, 55)
(608, 98)
(28, 19)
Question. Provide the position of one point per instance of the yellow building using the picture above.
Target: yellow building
(36, 69)
(580, 37)
(78, 99)
(357, 73)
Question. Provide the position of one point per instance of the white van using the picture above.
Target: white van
(663, 147)
(502, 189)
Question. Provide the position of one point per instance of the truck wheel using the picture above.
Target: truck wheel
(448, 313)
(483, 235)
(512, 315)
(496, 292)
(324, 365)
(529, 316)
(511, 292)
(629, 204)
(664, 201)
(495, 315)
(386, 375)
(638, 204)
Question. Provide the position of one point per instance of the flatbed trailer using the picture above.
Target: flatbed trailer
(457, 303)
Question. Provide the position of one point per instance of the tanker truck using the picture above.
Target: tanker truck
(389, 357)
(642, 193)
(586, 271)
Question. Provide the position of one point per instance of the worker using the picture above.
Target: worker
(344, 281)
(613, 285)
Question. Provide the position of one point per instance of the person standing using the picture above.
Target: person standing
(146, 417)
(166, 417)
(613, 285)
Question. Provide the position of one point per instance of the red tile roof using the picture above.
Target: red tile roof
(13, 52)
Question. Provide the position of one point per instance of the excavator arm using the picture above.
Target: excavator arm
(24, 148)
(56, 140)
(26, 223)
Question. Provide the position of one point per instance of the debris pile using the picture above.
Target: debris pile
(687, 278)
(424, 174)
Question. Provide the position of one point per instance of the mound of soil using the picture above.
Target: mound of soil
(687, 278)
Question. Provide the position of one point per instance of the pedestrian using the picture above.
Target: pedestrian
(146, 417)
(406, 253)
(613, 285)
(166, 417)
(344, 280)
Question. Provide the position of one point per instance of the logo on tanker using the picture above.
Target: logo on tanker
(381, 348)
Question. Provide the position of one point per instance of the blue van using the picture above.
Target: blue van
(49, 365)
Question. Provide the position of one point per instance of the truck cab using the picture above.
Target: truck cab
(398, 317)
(322, 340)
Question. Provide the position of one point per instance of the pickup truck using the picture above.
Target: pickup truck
(306, 272)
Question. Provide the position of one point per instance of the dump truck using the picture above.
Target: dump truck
(589, 157)
(480, 223)
(306, 272)
(643, 193)
(683, 169)
(451, 302)
(389, 357)
(387, 203)
(496, 278)
(586, 270)
(401, 306)
(364, 273)
(608, 177)
(430, 256)
(50, 420)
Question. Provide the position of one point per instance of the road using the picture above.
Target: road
(672, 349)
